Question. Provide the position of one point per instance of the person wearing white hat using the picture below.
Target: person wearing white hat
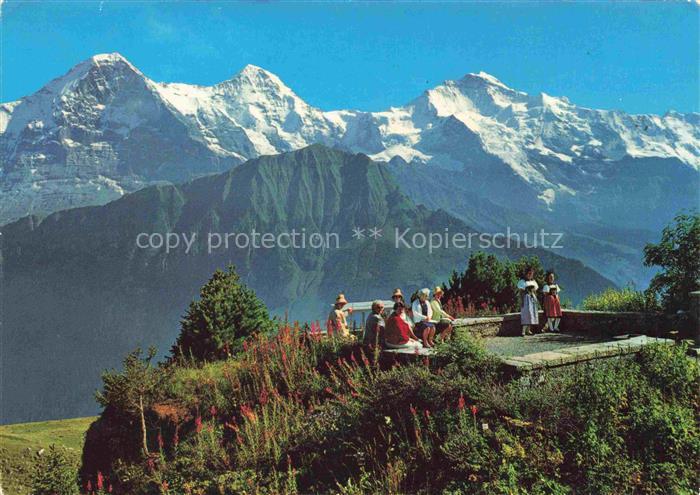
(423, 317)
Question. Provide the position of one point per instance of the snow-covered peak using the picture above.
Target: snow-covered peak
(252, 71)
(255, 79)
(484, 77)
(115, 60)
(103, 67)
(113, 57)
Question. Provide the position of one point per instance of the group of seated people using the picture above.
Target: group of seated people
(415, 325)
(418, 324)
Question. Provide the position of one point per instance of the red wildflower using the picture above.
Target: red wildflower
(263, 396)
(165, 486)
(109, 488)
(474, 410)
(413, 410)
(198, 423)
(460, 402)
(248, 412)
(427, 414)
(213, 411)
(88, 487)
(100, 481)
(364, 359)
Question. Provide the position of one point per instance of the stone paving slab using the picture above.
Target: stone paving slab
(592, 351)
(548, 357)
(570, 355)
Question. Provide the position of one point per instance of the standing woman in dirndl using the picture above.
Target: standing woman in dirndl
(527, 287)
(552, 306)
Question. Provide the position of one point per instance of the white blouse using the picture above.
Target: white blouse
(525, 284)
(417, 315)
(547, 288)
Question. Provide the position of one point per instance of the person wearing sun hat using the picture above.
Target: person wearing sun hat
(397, 296)
(444, 320)
(337, 320)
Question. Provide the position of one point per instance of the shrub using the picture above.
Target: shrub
(467, 355)
(133, 390)
(669, 369)
(55, 472)
(226, 313)
(626, 299)
(678, 254)
(298, 413)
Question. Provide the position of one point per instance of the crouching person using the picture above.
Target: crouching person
(398, 334)
(374, 326)
(444, 326)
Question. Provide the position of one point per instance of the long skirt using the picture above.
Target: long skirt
(528, 311)
(552, 308)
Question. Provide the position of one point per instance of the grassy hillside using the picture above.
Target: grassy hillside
(301, 414)
(19, 444)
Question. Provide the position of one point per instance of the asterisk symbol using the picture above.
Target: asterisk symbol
(375, 233)
(358, 233)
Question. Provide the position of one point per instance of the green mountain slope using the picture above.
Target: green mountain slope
(79, 292)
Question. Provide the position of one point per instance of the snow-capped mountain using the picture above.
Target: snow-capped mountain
(104, 129)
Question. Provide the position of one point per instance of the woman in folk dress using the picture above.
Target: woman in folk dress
(528, 301)
(552, 306)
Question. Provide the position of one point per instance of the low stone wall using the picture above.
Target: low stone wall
(594, 323)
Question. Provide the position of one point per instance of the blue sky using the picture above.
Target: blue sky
(638, 57)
